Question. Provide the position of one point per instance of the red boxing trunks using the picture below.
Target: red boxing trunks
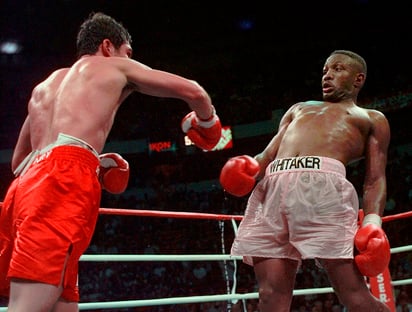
(303, 208)
(48, 217)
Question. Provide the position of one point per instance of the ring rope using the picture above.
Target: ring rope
(197, 215)
(208, 298)
(197, 299)
(151, 257)
(195, 257)
(193, 299)
(225, 266)
(163, 214)
(209, 216)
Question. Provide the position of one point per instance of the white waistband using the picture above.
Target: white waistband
(306, 163)
(62, 139)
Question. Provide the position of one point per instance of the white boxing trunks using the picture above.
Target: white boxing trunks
(304, 208)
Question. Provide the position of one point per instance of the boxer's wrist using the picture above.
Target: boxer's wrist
(209, 118)
(372, 218)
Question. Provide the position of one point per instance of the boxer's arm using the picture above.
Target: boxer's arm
(370, 240)
(164, 84)
(23, 145)
(374, 186)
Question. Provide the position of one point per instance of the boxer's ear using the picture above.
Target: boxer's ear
(360, 80)
(107, 48)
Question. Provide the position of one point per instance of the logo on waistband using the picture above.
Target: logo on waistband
(304, 162)
(42, 157)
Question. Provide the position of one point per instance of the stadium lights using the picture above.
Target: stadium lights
(10, 47)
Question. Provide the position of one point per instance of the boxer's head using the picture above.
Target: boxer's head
(96, 28)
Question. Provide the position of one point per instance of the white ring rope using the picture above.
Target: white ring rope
(225, 266)
(197, 299)
(209, 298)
(108, 257)
(194, 299)
(401, 249)
(218, 257)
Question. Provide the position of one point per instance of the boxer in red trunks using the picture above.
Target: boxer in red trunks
(50, 209)
(303, 207)
(45, 200)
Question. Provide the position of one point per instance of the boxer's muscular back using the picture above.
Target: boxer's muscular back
(80, 101)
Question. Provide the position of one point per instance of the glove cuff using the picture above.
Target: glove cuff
(372, 218)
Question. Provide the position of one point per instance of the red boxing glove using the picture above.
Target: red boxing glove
(373, 246)
(238, 175)
(203, 133)
(114, 173)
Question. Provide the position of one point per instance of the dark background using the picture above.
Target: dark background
(267, 54)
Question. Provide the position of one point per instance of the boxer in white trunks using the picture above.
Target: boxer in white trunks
(303, 207)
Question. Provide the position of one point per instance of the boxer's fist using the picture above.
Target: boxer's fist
(203, 133)
(114, 173)
(373, 246)
(238, 175)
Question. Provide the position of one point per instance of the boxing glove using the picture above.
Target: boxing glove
(238, 175)
(113, 173)
(373, 246)
(203, 133)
